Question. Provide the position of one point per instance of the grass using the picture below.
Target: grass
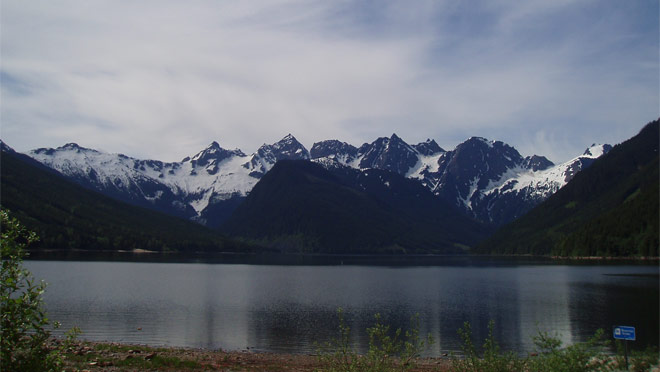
(389, 350)
(128, 357)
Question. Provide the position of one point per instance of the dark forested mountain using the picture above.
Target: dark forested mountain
(68, 216)
(303, 207)
(609, 209)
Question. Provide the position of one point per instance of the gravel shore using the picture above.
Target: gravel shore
(96, 356)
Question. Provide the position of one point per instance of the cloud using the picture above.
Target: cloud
(161, 79)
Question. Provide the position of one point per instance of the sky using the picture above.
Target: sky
(162, 79)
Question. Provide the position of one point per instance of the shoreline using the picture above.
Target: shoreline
(116, 356)
(357, 255)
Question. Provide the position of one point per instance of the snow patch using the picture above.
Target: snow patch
(594, 151)
(542, 183)
(467, 201)
(425, 164)
(157, 195)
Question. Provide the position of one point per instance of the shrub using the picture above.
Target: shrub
(550, 356)
(389, 350)
(491, 360)
(582, 356)
(25, 333)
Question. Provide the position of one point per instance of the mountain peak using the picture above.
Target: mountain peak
(213, 152)
(392, 154)
(267, 155)
(288, 141)
(428, 147)
(480, 140)
(6, 148)
(72, 146)
(537, 163)
(333, 148)
(596, 150)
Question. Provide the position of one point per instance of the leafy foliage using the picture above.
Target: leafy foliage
(67, 216)
(549, 357)
(608, 209)
(639, 360)
(574, 358)
(388, 350)
(491, 360)
(25, 327)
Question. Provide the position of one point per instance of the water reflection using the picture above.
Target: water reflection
(292, 308)
(636, 302)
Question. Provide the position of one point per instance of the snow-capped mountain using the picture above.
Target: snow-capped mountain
(267, 155)
(190, 188)
(334, 152)
(522, 186)
(391, 154)
(489, 180)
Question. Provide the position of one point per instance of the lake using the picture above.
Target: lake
(289, 305)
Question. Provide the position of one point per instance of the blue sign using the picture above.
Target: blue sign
(624, 333)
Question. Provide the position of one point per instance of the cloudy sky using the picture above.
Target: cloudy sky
(162, 79)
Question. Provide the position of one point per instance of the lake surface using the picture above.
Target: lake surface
(289, 308)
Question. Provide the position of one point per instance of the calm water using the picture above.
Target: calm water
(287, 308)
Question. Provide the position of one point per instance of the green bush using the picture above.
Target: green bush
(583, 356)
(25, 327)
(491, 360)
(389, 350)
(550, 356)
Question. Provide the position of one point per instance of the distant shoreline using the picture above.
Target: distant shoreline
(269, 258)
(606, 258)
(411, 255)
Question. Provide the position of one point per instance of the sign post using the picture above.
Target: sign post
(624, 333)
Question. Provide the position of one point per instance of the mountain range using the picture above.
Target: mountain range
(486, 180)
(382, 197)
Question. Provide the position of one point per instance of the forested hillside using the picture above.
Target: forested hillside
(301, 207)
(609, 209)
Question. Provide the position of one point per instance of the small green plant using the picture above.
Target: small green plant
(582, 356)
(25, 327)
(492, 358)
(388, 350)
